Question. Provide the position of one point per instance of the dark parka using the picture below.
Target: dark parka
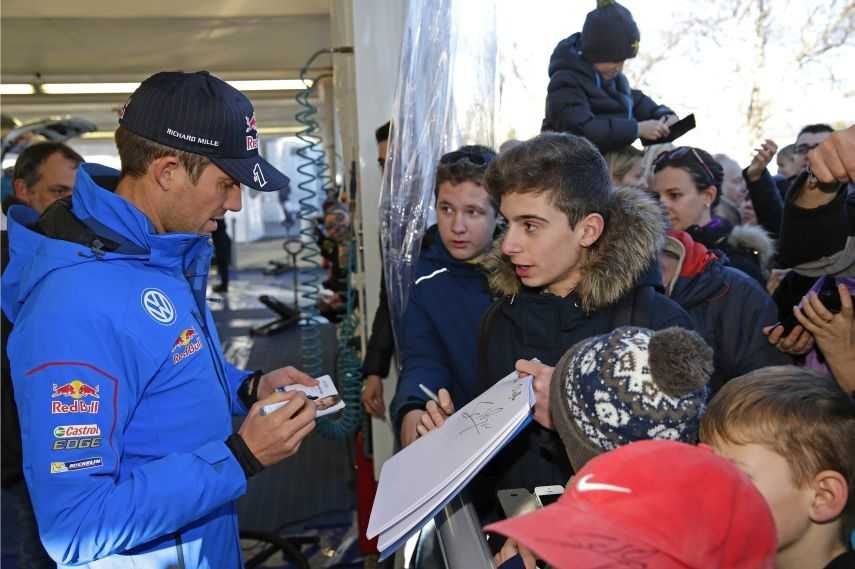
(440, 329)
(580, 102)
(526, 323)
(728, 308)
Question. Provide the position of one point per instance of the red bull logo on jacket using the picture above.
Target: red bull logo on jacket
(79, 392)
(187, 344)
(76, 389)
(76, 406)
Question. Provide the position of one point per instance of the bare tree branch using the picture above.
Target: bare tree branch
(839, 31)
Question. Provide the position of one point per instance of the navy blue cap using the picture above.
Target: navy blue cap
(202, 114)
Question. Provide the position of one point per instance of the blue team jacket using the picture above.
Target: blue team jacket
(123, 393)
(439, 336)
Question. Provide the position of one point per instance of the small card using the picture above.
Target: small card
(325, 388)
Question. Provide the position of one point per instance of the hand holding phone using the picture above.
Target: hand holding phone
(675, 131)
(832, 327)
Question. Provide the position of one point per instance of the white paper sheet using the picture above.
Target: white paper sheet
(420, 473)
(393, 536)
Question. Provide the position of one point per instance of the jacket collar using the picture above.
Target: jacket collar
(114, 217)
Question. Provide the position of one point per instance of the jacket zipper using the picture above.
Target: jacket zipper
(179, 546)
(218, 366)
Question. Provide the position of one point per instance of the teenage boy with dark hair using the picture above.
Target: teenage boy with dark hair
(439, 336)
(578, 259)
(588, 94)
(791, 430)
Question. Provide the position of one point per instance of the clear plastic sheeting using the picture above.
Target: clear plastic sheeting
(446, 97)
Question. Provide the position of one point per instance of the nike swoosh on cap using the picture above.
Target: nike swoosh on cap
(584, 486)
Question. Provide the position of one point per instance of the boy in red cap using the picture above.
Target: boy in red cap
(792, 431)
(633, 508)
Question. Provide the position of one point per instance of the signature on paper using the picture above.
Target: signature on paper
(480, 419)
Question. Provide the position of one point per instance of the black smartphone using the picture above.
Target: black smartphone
(677, 130)
(828, 296)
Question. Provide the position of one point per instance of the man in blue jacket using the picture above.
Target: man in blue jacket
(450, 293)
(124, 396)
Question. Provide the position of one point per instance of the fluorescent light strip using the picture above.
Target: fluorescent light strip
(271, 85)
(105, 88)
(87, 88)
(16, 89)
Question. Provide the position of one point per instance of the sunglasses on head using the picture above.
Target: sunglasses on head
(678, 153)
(470, 155)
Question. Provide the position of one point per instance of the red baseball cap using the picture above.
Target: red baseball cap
(654, 505)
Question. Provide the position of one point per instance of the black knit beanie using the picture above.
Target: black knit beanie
(610, 33)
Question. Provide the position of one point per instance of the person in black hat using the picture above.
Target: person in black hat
(129, 453)
(588, 94)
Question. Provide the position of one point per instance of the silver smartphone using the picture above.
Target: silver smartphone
(546, 495)
(516, 502)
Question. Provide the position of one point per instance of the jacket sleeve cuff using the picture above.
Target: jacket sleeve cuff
(376, 363)
(248, 390)
(248, 462)
(401, 412)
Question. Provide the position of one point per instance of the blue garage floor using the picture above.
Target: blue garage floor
(311, 493)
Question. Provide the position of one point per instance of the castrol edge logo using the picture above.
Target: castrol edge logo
(72, 431)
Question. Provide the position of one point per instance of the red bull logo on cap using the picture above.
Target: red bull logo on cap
(186, 344)
(251, 126)
(76, 389)
(251, 123)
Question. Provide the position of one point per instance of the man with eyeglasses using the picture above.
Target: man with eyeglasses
(809, 138)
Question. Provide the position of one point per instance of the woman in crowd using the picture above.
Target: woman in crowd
(688, 183)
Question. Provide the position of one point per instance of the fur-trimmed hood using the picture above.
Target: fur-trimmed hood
(635, 228)
(753, 238)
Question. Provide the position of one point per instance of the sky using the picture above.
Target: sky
(709, 75)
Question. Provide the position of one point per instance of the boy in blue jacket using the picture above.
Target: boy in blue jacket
(588, 94)
(450, 293)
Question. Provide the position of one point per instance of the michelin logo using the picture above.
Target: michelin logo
(71, 466)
